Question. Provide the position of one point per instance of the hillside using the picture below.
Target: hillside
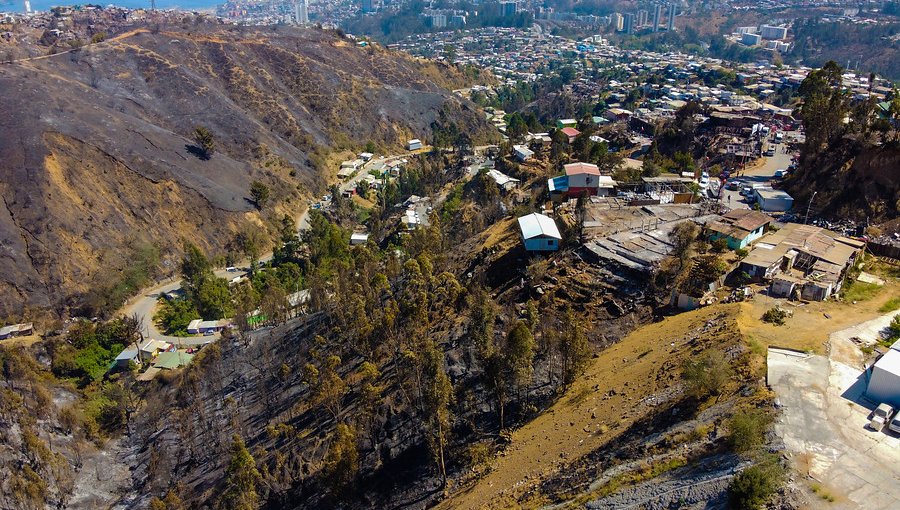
(99, 166)
(850, 183)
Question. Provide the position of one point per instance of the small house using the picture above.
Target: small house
(126, 357)
(539, 233)
(358, 238)
(739, 227)
(151, 348)
(522, 153)
(571, 133)
(172, 360)
(504, 182)
(414, 144)
(566, 123)
(15, 330)
(194, 326)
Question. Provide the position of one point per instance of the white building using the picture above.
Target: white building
(539, 232)
(884, 383)
(522, 153)
(414, 144)
(770, 32)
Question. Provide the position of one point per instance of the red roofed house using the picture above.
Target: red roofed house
(571, 133)
(580, 178)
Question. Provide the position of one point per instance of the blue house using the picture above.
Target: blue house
(539, 233)
(740, 227)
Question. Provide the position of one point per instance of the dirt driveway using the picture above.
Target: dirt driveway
(823, 425)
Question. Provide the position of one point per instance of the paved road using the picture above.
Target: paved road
(759, 175)
(823, 425)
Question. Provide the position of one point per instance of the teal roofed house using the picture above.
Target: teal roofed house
(539, 233)
(740, 227)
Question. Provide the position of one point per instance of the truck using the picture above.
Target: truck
(880, 416)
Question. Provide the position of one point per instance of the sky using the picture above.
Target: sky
(43, 5)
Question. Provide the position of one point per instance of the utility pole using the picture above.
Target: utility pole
(806, 221)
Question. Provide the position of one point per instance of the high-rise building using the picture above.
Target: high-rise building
(367, 6)
(642, 16)
(617, 21)
(628, 23)
(671, 26)
(509, 8)
(301, 12)
(438, 20)
(657, 15)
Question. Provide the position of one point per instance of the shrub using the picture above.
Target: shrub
(775, 316)
(720, 245)
(99, 37)
(747, 430)
(707, 374)
(754, 486)
(741, 252)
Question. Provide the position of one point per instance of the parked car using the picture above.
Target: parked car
(770, 152)
(780, 173)
(881, 415)
(732, 186)
(894, 426)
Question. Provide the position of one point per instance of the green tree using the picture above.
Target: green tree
(214, 299)
(824, 107)
(260, 193)
(516, 127)
(756, 485)
(342, 459)
(241, 479)
(205, 141)
(437, 393)
(574, 348)
(195, 269)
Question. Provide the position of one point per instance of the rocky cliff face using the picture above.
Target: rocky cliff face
(96, 153)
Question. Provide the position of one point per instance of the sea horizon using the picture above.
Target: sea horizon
(45, 5)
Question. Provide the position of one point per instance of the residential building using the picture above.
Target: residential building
(671, 24)
(539, 233)
(438, 20)
(628, 23)
(750, 39)
(580, 178)
(657, 17)
(151, 348)
(739, 227)
(642, 16)
(14, 330)
(772, 33)
(367, 6)
(571, 133)
(522, 153)
(509, 8)
(130, 355)
(505, 182)
(414, 144)
(564, 123)
(172, 360)
(617, 21)
(802, 260)
(358, 238)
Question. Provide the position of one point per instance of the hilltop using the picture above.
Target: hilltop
(101, 178)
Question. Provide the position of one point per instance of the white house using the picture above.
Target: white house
(358, 238)
(522, 153)
(504, 181)
(539, 233)
(414, 144)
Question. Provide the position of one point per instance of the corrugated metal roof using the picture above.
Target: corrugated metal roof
(536, 225)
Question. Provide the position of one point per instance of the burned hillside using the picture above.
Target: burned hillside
(100, 159)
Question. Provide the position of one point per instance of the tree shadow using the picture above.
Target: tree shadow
(196, 151)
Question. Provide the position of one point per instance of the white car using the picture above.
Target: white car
(894, 425)
(880, 416)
